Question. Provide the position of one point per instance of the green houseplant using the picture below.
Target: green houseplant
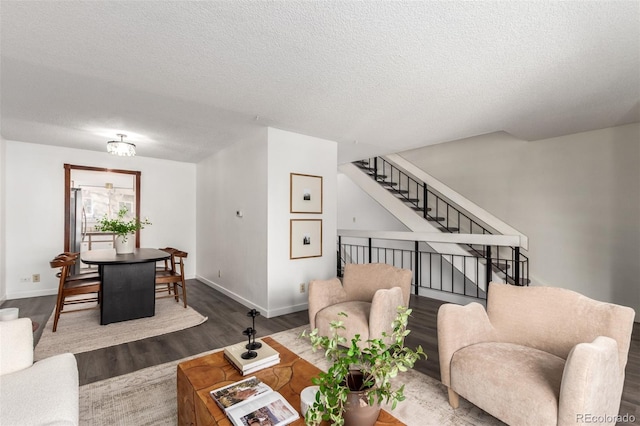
(368, 369)
(120, 226)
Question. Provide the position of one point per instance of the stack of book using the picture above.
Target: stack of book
(266, 357)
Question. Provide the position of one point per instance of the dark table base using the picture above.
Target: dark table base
(128, 291)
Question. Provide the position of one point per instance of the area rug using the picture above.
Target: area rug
(148, 396)
(81, 331)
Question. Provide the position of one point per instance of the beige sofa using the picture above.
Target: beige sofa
(369, 294)
(31, 394)
(536, 356)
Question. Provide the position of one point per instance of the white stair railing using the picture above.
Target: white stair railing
(415, 251)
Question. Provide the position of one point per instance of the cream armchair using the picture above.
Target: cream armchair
(41, 393)
(536, 356)
(369, 294)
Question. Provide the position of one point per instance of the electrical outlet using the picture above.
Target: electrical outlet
(35, 278)
(302, 287)
(25, 279)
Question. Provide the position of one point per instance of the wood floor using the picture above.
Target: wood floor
(228, 318)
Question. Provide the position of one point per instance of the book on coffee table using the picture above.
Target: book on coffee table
(251, 402)
(266, 357)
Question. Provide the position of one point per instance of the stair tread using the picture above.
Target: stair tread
(501, 264)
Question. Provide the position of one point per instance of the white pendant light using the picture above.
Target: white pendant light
(121, 147)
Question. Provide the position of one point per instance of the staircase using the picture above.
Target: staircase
(446, 217)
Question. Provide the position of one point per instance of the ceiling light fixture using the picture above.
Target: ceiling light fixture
(121, 147)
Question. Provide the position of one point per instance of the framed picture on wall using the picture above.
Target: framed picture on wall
(305, 193)
(305, 238)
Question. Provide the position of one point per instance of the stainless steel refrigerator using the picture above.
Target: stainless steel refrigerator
(77, 224)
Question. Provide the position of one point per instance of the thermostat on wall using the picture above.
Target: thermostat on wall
(239, 213)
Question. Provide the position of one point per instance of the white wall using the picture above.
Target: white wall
(3, 285)
(35, 208)
(357, 210)
(232, 251)
(247, 258)
(577, 197)
(295, 153)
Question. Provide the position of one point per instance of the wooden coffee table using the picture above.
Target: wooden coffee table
(197, 377)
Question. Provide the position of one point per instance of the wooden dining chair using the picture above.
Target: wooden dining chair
(82, 275)
(73, 291)
(163, 266)
(171, 276)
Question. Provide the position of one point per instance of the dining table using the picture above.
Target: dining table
(128, 282)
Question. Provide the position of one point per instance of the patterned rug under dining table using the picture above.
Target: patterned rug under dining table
(197, 377)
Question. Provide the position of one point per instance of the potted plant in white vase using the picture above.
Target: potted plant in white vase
(124, 230)
(359, 379)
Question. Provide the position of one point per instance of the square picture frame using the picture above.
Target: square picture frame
(305, 238)
(305, 194)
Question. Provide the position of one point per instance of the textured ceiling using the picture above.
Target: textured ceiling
(184, 79)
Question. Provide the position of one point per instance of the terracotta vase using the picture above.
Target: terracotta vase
(124, 247)
(358, 412)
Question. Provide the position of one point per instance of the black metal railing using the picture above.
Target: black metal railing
(464, 275)
(435, 208)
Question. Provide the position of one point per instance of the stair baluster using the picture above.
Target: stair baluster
(385, 173)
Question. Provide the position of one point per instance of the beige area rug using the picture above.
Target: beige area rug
(148, 396)
(81, 331)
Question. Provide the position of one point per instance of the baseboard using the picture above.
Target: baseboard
(537, 282)
(289, 310)
(233, 295)
(263, 310)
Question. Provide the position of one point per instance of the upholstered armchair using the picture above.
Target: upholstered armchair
(536, 356)
(369, 294)
(41, 393)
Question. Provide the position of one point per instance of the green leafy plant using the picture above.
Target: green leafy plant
(120, 226)
(377, 361)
